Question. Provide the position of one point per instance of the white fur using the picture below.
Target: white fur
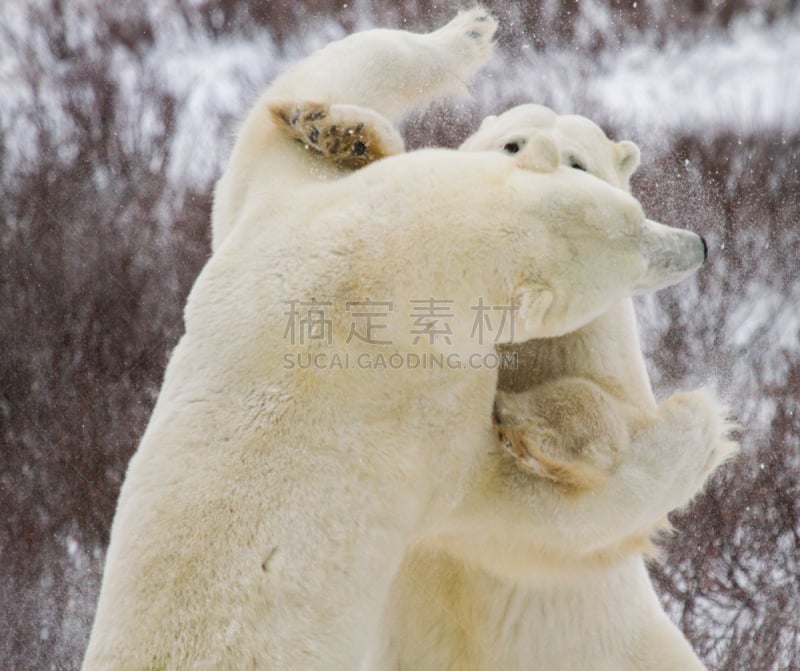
(468, 619)
(579, 141)
(268, 507)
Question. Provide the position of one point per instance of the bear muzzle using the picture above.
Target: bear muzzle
(672, 255)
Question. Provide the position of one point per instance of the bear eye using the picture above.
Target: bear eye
(511, 147)
(575, 163)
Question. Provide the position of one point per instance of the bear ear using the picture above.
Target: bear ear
(540, 155)
(627, 158)
(487, 122)
(474, 141)
(532, 302)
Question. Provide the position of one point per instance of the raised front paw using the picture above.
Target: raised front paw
(348, 136)
(469, 35)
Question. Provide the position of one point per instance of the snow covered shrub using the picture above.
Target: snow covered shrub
(97, 252)
(730, 575)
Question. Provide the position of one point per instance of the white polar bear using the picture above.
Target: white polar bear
(269, 506)
(451, 611)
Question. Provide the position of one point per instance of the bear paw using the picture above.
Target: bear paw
(543, 451)
(568, 430)
(345, 135)
(698, 428)
(469, 36)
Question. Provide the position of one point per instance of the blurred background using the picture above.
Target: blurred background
(115, 120)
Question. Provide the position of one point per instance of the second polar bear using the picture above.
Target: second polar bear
(567, 411)
(571, 408)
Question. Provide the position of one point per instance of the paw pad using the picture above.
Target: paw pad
(338, 134)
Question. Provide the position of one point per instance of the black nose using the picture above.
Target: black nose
(705, 248)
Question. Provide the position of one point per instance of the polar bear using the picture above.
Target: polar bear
(271, 502)
(567, 413)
